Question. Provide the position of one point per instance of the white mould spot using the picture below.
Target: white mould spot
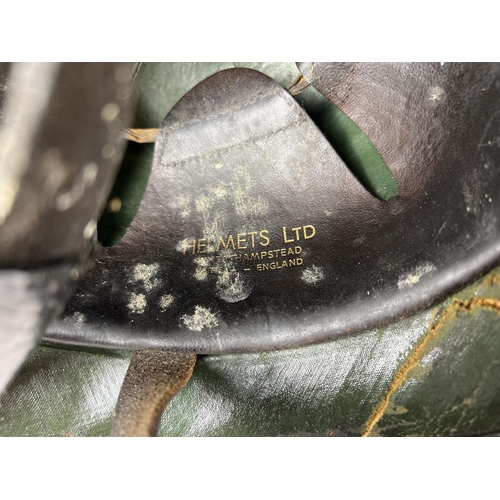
(203, 261)
(146, 273)
(201, 274)
(84, 179)
(90, 174)
(213, 229)
(203, 204)
(202, 318)
(231, 287)
(312, 275)
(408, 280)
(436, 94)
(184, 245)
(183, 204)
(137, 303)
(165, 302)
(110, 112)
(79, 320)
(64, 201)
(89, 229)
(244, 203)
(219, 191)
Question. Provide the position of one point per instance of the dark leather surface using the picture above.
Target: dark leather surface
(29, 300)
(238, 155)
(60, 147)
(422, 117)
(61, 144)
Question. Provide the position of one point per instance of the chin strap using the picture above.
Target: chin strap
(152, 380)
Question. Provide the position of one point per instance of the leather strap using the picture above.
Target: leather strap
(152, 380)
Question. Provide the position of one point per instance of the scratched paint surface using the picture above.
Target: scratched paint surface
(63, 393)
(435, 373)
(449, 384)
(328, 388)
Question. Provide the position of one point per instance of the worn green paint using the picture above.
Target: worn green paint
(63, 392)
(455, 388)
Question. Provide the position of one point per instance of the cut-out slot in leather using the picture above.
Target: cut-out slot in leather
(126, 194)
(351, 144)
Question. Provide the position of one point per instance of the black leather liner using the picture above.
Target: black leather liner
(237, 155)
